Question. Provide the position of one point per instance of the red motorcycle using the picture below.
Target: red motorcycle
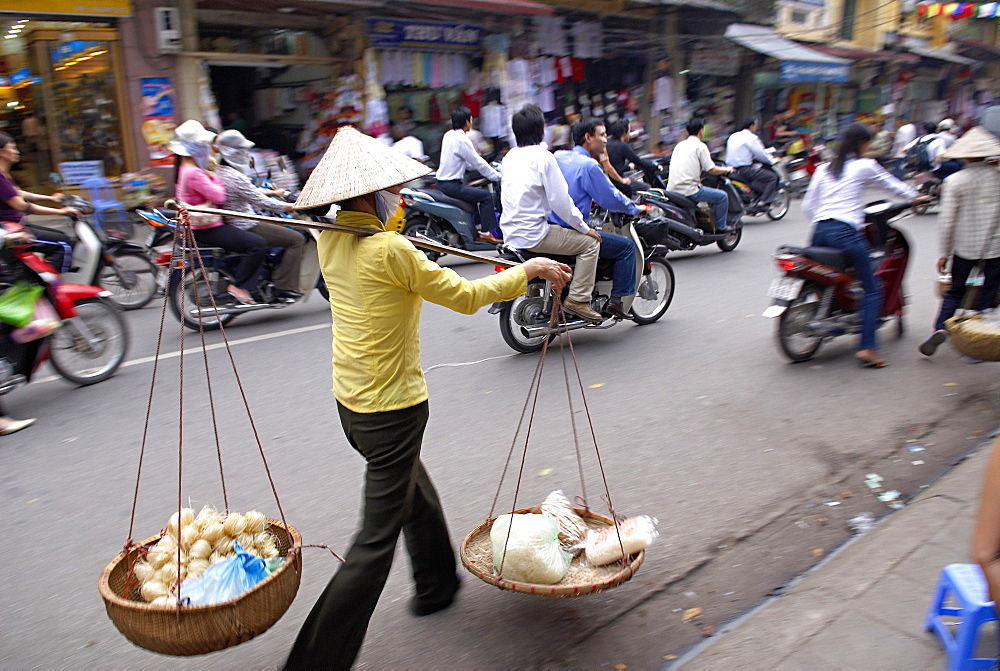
(91, 339)
(818, 298)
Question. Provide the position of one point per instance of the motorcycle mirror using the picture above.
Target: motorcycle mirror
(281, 163)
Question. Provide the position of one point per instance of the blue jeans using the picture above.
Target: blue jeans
(841, 235)
(481, 198)
(960, 271)
(719, 202)
(622, 250)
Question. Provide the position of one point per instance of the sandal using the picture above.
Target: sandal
(248, 300)
(872, 363)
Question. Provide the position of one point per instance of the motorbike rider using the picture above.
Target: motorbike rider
(969, 225)
(192, 148)
(690, 159)
(834, 204)
(588, 184)
(407, 143)
(533, 187)
(745, 153)
(934, 146)
(944, 131)
(622, 157)
(15, 203)
(243, 196)
(458, 155)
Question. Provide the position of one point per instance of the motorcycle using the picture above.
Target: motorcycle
(91, 340)
(799, 163)
(431, 214)
(524, 321)
(776, 209)
(927, 184)
(689, 225)
(817, 296)
(196, 291)
(106, 257)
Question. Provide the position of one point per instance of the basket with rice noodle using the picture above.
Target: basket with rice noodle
(976, 336)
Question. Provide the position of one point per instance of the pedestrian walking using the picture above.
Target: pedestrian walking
(968, 228)
(377, 285)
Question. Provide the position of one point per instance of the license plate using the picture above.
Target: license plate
(800, 174)
(785, 288)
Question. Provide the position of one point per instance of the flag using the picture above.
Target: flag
(934, 9)
(949, 9)
(921, 10)
(987, 10)
(965, 10)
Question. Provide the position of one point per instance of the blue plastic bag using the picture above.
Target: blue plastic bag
(225, 580)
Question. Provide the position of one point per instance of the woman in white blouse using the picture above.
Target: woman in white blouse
(834, 204)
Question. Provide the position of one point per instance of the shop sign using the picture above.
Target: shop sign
(72, 7)
(803, 71)
(708, 58)
(158, 118)
(19, 77)
(423, 36)
(75, 172)
(4, 81)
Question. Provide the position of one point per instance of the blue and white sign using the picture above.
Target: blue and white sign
(423, 36)
(803, 71)
(22, 75)
(75, 172)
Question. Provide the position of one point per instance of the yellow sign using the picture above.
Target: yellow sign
(68, 7)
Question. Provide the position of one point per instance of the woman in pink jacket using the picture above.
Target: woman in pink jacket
(195, 186)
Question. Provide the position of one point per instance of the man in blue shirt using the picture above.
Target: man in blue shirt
(588, 184)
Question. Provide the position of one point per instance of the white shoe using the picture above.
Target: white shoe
(10, 426)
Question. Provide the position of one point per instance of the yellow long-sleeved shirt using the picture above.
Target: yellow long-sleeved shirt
(377, 287)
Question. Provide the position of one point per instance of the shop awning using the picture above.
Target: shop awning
(941, 55)
(766, 41)
(496, 6)
(861, 54)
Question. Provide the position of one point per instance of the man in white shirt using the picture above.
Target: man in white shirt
(533, 187)
(691, 158)
(458, 155)
(906, 133)
(745, 152)
(408, 144)
(944, 132)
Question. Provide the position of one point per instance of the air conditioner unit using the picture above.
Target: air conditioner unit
(168, 30)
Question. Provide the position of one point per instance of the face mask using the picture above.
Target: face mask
(199, 152)
(386, 203)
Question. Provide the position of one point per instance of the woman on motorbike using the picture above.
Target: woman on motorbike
(243, 196)
(834, 204)
(15, 203)
(192, 147)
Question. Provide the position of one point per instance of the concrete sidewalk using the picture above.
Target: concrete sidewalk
(864, 607)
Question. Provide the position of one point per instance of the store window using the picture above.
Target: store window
(800, 17)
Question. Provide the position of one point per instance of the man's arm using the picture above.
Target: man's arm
(468, 152)
(632, 157)
(604, 193)
(947, 216)
(708, 165)
(757, 149)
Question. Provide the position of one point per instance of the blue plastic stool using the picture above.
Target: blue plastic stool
(110, 215)
(966, 584)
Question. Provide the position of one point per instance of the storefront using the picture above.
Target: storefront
(63, 91)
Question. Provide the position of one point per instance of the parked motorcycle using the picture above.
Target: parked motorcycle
(817, 297)
(429, 213)
(106, 257)
(524, 321)
(92, 339)
(689, 225)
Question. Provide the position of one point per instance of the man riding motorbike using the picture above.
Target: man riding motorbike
(458, 155)
(588, 183)
(745, 153)
(622, 157)
(533, 187)
(691, 158)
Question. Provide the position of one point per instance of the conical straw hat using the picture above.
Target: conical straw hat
(355, 164)
(977, 142)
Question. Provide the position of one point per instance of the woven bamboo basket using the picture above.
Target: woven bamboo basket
(975, 336)
(202, 629)
(581, 579)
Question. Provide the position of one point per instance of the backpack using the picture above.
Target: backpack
(918, 158)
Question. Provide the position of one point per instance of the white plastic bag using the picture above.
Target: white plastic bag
(533, 553)
(572, 528)
(604, 547)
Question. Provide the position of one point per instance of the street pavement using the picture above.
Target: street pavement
(700, 421)
(865, 607)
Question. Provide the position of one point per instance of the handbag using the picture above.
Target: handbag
(44, 320)
(17, 304)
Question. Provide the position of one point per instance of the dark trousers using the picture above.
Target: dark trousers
(842, 235)
(481, 198)
(960, 271)
(251, 247)
(760, 179)
(60, 253)
(399, 496)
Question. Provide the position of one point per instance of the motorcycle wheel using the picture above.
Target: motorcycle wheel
(131, 279)
(193, 290)
(322, 289)
(796, 341)
(420, 225)
(779, 206)
(514, 314)
(729, 243)
(658, 285)
(82, 362)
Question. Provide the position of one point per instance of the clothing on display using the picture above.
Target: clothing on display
(414, 68)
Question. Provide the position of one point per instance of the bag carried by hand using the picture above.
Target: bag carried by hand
(17, 304)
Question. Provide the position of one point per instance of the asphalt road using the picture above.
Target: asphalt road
(700, 421)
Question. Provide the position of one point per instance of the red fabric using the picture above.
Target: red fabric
(579, 69)
(473, 100)
(921, 10)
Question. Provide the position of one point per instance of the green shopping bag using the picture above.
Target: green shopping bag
(17, 304)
